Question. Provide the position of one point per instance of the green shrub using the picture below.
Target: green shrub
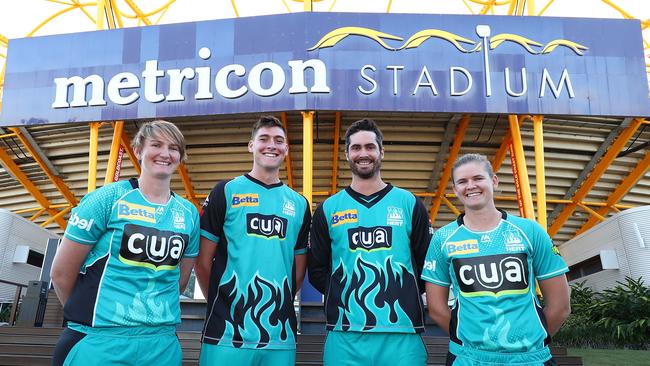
(616, 317)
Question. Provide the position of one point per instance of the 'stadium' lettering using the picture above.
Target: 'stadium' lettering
(370, 238)
(152, 248)
(492, 275)
(229, 81)
(267, 226)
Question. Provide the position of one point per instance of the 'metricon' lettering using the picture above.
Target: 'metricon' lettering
(124, 88)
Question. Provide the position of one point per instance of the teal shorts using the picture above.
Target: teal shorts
(215, 355)
(463, 356)
(377, 349)
(80, 345)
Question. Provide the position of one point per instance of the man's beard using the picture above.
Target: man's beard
(368, 173)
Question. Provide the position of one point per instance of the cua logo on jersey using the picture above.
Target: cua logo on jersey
(246, 199)
(462, 247)
(82, 224)
(370, 238)
(152, 248)
(344, 217)
(492, 275)
(131, 211)
(266, 226)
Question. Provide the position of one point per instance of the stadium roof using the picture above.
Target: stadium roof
(594, 165)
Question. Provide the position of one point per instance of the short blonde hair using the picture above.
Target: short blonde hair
(472, 158)
(160, 128)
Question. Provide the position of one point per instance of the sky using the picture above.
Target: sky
(20, 17)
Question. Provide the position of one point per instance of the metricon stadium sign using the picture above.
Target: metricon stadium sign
(312, 61)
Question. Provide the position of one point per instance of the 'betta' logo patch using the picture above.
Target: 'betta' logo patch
(246, 199)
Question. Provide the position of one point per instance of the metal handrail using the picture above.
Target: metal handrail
(14, 306)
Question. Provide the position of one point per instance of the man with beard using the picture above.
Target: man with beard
(367, 248)
(254, 233)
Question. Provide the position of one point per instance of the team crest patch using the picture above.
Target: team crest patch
(469, 246)
(513, 241)
(179, 220)
(131, 211)
(344, 217)
(485, 238)
(245, 199)
(395, 216)
(289, 208)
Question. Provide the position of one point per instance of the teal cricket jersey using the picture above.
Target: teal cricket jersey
(258, 229)
(365, 255)
(493, 275)
(130, 277)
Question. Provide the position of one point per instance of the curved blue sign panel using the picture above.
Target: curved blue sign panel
(331, 61)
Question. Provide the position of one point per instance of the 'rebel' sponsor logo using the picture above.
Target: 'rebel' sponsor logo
(82, 224)
(266, 226)
(370, 238)
(152, 248)
(492, 275)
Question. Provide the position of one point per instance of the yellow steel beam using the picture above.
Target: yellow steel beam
(58, 182)
(32, 209)
(141, 16)
(390, 2)
(92, 156)
(307, 155)
(591, 211)
(187, 184)
(61, 12)
(595, 175)
(540, 179)
(501, 153)
(335, 152)
(521, 168)
(626, 184)
(57, 217)
(446, 173)
(118, 129)
(541, 12)
(101, 9)
(37, 214)
(287, 159)
(126, 144)
(14, 169)
(308, 6)
(234, 8)
(13, 134)
(530, 6)
(450, 205)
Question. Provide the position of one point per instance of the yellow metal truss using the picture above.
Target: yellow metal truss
(114, 13)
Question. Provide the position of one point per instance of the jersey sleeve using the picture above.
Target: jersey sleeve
(319, 255)
(436, 267)
(420, 233)
(214, 213)
(303, 234)
(420, 237)
(89, 220)
(547, 261)
(195, 236)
